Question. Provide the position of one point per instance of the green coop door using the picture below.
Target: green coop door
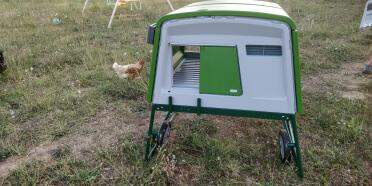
(219, 71)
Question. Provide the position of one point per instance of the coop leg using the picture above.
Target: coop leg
(298, 158)
(150, 135)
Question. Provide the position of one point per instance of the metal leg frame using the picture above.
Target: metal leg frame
(291, 128)
(289, 125)
(152, 134)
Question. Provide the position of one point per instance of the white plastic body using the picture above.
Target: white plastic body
(267, 81)
(367, 16)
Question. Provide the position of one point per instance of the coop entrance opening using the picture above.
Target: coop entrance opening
(186, 66)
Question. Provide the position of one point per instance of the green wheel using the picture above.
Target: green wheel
(285, 151)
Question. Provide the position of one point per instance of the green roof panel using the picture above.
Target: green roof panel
(244, 8)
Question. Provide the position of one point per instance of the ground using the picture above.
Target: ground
(65, 118)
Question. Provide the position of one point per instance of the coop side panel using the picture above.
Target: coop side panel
(267, 80)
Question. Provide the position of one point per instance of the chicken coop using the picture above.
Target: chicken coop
(367, 16)
(226, 57)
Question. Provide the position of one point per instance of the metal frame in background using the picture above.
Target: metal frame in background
(289, 124)
(132, 3)
(117, 3)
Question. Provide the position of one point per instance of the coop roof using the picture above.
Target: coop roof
(242, 8)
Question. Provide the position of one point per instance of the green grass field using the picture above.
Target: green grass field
(66, 118)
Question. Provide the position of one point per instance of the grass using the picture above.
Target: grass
(59, 81)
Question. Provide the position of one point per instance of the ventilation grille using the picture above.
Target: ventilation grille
(369, 7)
(264, 50)
(187, 74)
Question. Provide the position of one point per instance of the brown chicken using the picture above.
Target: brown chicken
(130, 71)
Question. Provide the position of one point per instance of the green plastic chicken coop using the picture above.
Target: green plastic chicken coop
(226, 57)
